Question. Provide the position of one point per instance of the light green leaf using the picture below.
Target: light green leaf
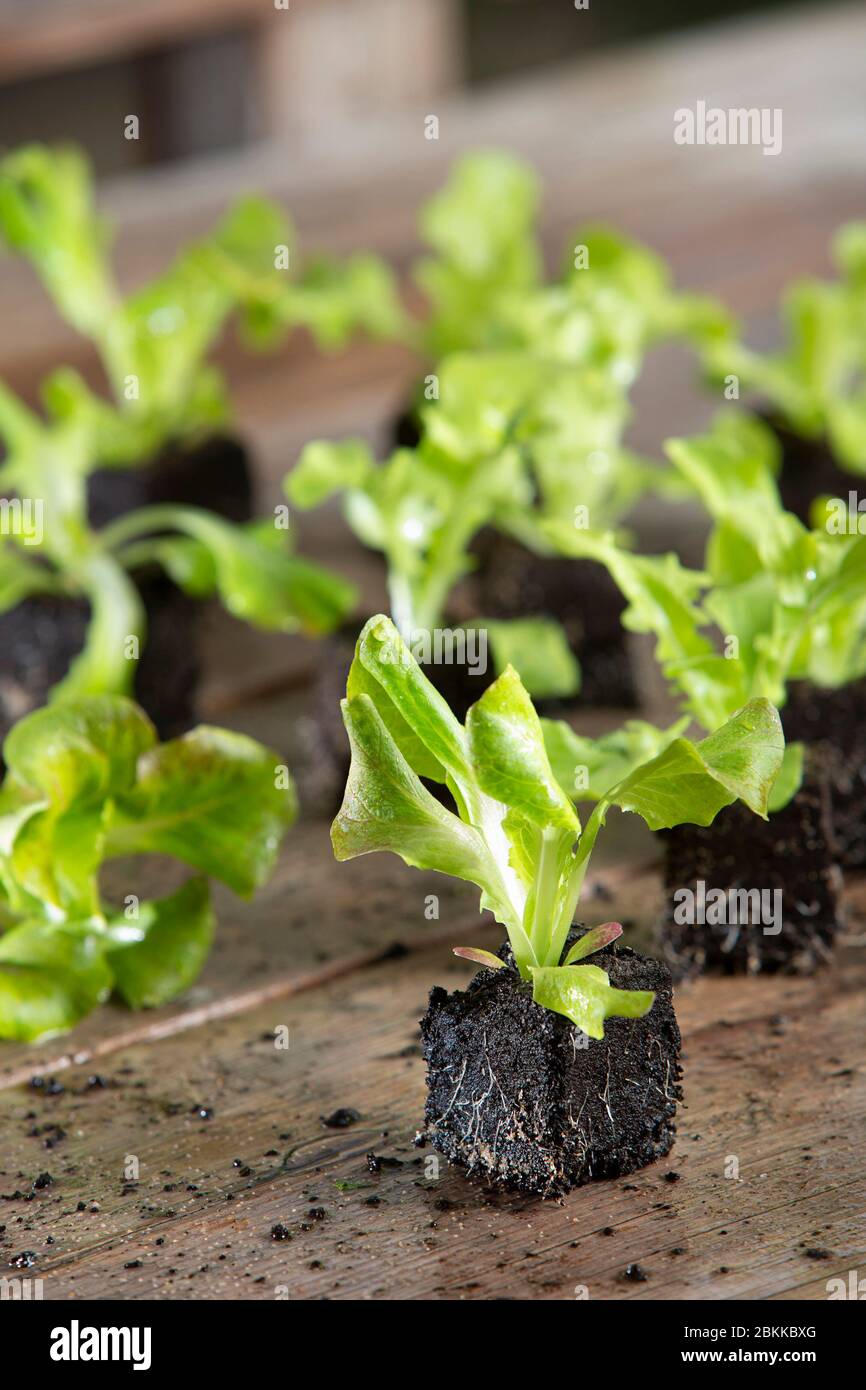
(508, 755)
(480, 225)
(584, 994)
(216, 800)
(689, 783)
(387, 660)
(81, 750)
(586, 768)
(50, 977)
(258, 580)
(177, 934)
(326, 467)
(361, 682)
(387, 807)
(538, 650)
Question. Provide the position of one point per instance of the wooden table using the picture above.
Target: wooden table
(182, 1137)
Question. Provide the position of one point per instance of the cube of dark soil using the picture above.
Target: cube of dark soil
(41, 636)
(512, 582)
(214, 474)
(835, 722)
(809, 470)
(791, 853)
(518, 1095)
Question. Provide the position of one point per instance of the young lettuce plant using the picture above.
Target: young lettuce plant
(816, 383)
(515, 832)
(154, 343)
(777, 607)
(776, 602)
(255, 575)
(86, 783)
(485, 286)
(422, 508)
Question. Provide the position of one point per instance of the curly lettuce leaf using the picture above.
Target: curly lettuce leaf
(87, 781)
(480, 227)
(51, 976)
(588, 767)
(190, 798)
(175, 935)
(256, 577)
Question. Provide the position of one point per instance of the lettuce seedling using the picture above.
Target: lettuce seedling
(816, 383)
(776, 602)
(86, 783)
(422, 508)
(154, 343)
(512, 443)
(515, 832)
(54, 551)
(485, 286)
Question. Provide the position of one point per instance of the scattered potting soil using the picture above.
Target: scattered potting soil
(788, 859)
(214, 474)
(833, 720)
(340, 1119)
(518, 1094)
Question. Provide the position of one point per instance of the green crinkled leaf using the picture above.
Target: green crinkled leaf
(177, 934)
(480, 225)
(586, 768)
(336, 299)
(325, 468)
(81, 750)
(506, 745)
(258, 580)
(689, 783)
(538, 649)
(584, 994)
(50, 977)
(55, 861)
(214, 799)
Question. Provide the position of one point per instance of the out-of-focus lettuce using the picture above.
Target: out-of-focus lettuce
(154, 343)
(816, 382)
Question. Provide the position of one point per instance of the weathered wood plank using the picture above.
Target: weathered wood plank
(775, 1077)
